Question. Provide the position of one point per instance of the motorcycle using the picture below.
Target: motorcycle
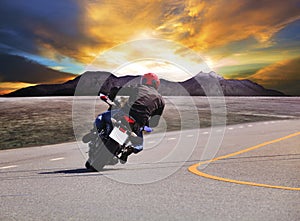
(106, 147)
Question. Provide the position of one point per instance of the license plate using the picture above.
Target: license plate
(118, 135)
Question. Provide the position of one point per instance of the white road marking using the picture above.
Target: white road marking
(190, 135)
(266, 122)
(205, 132)
(250, 125)
(8, 167)
(230, 128)
(56, 159)
(172, 138)
(241, 127)
(151, 142)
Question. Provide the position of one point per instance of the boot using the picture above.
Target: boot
(92, 135)
(88, 137)
(113, 161)
(125, 154)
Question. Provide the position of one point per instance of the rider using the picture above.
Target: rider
(145, 105)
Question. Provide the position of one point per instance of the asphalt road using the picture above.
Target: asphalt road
(50, 182)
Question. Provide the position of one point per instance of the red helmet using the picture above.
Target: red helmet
(151, 80)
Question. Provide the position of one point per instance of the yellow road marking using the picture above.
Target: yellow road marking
(194, 168)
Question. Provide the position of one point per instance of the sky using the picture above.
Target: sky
(256, 40)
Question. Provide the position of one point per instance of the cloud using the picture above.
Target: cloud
(82, 29)
(283, 76)
(76, 31)
(8, 87)
(48, 28)
(240, 71)
(17, 69)
(210, 24)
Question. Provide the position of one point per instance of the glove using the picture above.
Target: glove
(148, 129)
(103, 97)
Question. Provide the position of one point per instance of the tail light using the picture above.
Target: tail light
(129, 119)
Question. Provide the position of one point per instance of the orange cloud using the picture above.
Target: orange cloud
(283, 75)
(60, 80)
(220, 22)
(7, 87)
(200, 25)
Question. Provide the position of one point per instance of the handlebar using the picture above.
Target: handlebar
(105, 98)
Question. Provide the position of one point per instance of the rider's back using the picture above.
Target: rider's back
(144, 102)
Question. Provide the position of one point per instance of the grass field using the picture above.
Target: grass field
(48, 120)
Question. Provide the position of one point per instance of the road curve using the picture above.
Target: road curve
(51, 183)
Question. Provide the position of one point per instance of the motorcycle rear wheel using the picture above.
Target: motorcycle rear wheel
(90, 167)
(101, 155)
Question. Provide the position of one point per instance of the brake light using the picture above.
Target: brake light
(103, 97)
(129, 119)
(122, 129)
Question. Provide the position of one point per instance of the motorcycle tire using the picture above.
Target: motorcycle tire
(102, 156)
(90, 167)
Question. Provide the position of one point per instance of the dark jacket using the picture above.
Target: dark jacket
(145, 104)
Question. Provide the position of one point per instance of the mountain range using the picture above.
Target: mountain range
(90, 83)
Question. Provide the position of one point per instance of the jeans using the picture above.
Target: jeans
(103, 121)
